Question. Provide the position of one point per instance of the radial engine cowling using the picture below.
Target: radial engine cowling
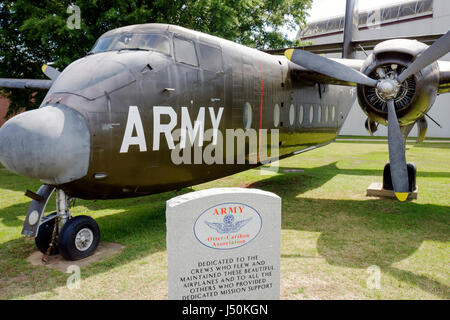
(416, 94)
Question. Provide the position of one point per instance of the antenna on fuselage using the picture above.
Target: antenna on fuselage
(350, 29)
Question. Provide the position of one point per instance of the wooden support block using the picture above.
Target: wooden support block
(376, 190)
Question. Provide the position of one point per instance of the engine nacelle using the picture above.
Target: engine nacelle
(416, 94)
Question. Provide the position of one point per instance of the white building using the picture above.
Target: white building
(411, 18)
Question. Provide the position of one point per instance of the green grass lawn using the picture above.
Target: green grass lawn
(331, 232)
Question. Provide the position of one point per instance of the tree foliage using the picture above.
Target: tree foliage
(34, 32)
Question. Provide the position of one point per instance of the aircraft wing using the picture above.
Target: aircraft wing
(303, 74)
(300, 73)
(25, 83)
(49, 71)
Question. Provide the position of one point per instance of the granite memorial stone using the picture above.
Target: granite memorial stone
(224, 243)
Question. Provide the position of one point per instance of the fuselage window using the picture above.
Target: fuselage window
(311, 114)
(247, 117)
(185, 51)
(300, 115)
(319, 113)
(276, 115)
(291, 114)
(210, 57)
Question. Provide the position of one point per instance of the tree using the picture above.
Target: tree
(34, 32)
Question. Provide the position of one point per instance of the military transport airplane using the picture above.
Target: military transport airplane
(106, 126)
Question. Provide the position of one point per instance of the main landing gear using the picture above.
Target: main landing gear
(74, 238)
(387, 179)
(412, 173)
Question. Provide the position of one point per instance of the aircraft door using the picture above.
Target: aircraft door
(212, 74)
(187, 66)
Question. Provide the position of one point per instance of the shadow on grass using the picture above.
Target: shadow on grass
(139, 226)
(353, 233)
(361, 233)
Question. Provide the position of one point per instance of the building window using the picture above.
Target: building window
(319, 114)
(311, 114)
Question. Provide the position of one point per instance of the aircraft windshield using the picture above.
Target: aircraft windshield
(133, 41)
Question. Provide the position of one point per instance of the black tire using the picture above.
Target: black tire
(68, 242)
(44, 236)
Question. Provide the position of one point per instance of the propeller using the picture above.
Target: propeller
(328, 67)
(337, 70)
(439, 48)
(388, 88)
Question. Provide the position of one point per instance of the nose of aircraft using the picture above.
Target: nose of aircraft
(51, 143)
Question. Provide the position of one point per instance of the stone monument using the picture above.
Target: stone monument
(224, 243)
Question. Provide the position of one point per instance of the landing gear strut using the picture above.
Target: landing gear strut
(73, 237)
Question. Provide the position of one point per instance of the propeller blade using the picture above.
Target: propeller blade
(397, 159)
(422, 126)
(328, 67)
(50, 72)
(433, 53)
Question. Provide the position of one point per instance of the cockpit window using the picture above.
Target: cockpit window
(133, 41)
(102, 44)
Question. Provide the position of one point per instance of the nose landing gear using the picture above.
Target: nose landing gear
(74, 238)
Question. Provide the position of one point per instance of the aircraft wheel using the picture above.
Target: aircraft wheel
(79, 238)
(44, 236)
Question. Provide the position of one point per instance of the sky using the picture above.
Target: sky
(322, 9)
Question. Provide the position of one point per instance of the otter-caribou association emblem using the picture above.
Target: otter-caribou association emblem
(227, 226)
